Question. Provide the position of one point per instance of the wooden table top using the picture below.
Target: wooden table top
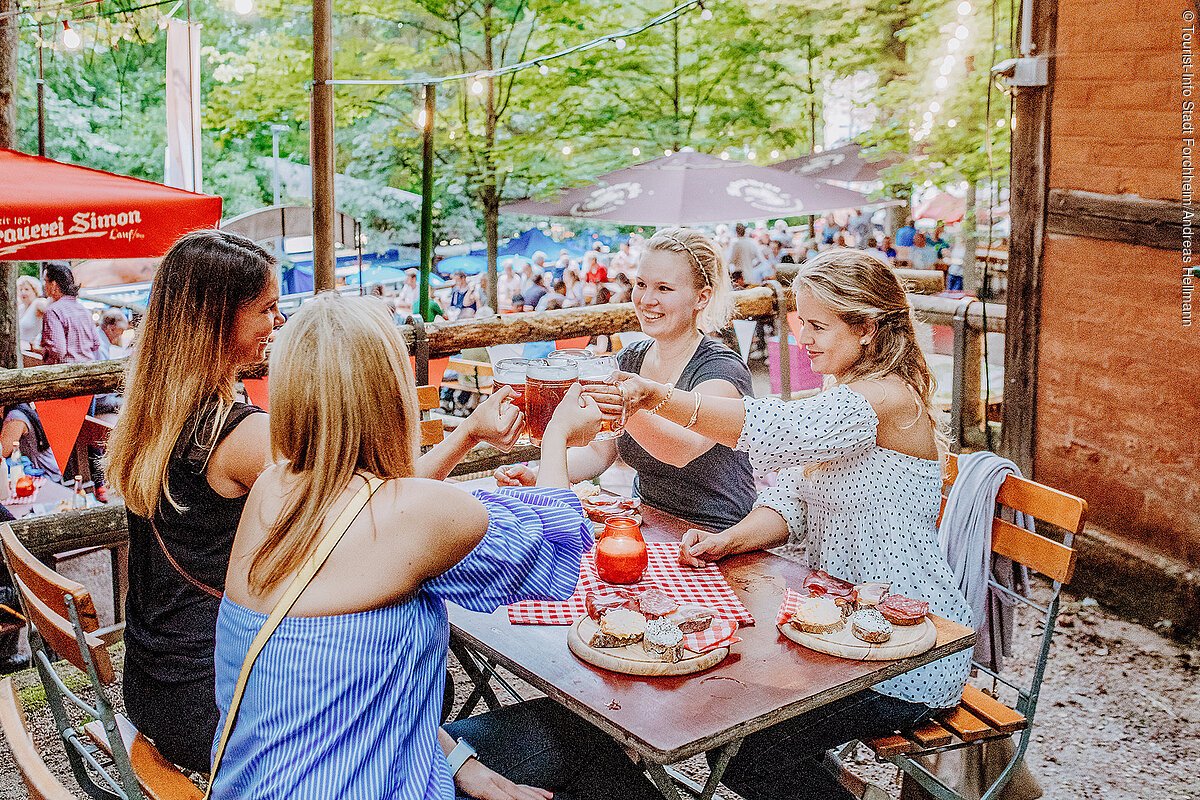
(765, 679)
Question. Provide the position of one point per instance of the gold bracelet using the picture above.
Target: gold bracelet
(695, 412)
(663, 402)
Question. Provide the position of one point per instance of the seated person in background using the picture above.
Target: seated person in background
(682, 289)
(406, 298)
(601, 343)
(574, 289)
(23, 428)
(557, 296)
(889, 250)
(622, 260)
(593, 270)
(30, 308)
(113, 324)
(624, 292)
(344, 699)
(924, 254)
(507, 285)
(534, 294)
(463, 302)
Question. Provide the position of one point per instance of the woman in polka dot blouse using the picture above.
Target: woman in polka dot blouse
(859, 486)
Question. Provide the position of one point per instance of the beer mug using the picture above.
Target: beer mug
(510, 372)
(600, 370)
(546, 382)
(575, 353)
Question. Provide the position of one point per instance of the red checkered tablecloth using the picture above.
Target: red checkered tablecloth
(706, 587)
(790, 605)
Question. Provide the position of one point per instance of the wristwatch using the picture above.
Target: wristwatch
(461, 754)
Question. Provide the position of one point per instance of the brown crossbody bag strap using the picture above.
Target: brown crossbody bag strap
(183, 573)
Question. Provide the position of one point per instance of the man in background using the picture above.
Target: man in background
(68, 334)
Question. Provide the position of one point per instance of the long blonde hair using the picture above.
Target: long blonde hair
(179, 365)
(708, 270)
(343, 402)
(861, 288)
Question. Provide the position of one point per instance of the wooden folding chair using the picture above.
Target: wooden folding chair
(62, 619)
(980, 717)
(39, 781)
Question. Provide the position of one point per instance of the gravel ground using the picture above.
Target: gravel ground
(1119, 715)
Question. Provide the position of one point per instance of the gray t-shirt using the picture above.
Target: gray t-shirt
(716, 490)
(29, 446)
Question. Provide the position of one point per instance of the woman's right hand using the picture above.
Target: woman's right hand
(577, 419)
(515, 475)
(638, 393)
(699, 548)
(476, 780)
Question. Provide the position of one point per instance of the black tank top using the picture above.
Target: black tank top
(171, 625)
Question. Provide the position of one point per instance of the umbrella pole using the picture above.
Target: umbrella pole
(427, 199)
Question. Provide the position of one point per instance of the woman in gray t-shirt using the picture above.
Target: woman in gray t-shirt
(681, 290)
(23, 428)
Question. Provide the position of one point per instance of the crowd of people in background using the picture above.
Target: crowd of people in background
(604, 274)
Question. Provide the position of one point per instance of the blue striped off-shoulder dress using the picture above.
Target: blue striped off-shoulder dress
(348, 706)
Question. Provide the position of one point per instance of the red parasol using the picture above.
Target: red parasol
(942, 206)
(690, 188)
(51, 210)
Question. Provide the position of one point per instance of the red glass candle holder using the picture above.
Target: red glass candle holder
(621, 556)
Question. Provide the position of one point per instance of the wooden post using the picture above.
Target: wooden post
(321, 138)
(423, 304)
(10, 337)
(1028, 187)
(966, 406)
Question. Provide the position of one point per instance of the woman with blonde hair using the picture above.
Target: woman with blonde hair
(681, 293)
(343, 699)
(183, 454)
(30, 308)
(860, 485)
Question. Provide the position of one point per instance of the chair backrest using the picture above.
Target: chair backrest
(432, 429)
(47, 584)
(1055, 560)
(39, 780)
(58, 632)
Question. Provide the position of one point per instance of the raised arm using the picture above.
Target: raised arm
(719, 418)
(670, 442)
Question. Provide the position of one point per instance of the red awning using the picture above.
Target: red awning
(51, 210)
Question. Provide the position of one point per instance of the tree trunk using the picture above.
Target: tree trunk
(10, 341)
(675, 89)
(972, 280)
(491, 189)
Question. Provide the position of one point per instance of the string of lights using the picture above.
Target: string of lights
(54, 9)
(103, 15)
(477, 77)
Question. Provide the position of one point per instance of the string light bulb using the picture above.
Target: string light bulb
(817, 148)
(751, 155)
(774, 154)
(668, 151)
(706, 15)
(243, 7)
(543, 69)
(950, 123)
(566, 150)
(477, 86)
(964, 8)
(724, 155)
(961, 32)
(619, 44)
(71, 39)
(637, 151)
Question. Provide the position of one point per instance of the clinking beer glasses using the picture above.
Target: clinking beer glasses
(546, 382)
(511, 372)
(600, 370)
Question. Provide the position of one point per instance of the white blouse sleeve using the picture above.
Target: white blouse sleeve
(784, 499)
(779, 434)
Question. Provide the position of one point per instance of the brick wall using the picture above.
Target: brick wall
(1118, 409)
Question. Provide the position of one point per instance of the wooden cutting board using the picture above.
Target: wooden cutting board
(632, 659)
(906, 641)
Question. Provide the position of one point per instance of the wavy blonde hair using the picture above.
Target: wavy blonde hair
(179, 364)
(862, 288)
(343, 402)
(708, 269)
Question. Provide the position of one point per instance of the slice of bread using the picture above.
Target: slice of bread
(619, 627)
(870, 626)
(818, 615)
(663, 639)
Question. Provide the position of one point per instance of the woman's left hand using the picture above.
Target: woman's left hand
(476, 780)
(496, 421)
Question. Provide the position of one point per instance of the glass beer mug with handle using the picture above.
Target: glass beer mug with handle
(546, 382)
(510, 372)
(602, 370)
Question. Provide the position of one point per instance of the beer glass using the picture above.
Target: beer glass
(598, 370)
(573, 352)
(546, 382)
(511, 372)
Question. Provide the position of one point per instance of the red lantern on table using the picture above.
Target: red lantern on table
(621, 552)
